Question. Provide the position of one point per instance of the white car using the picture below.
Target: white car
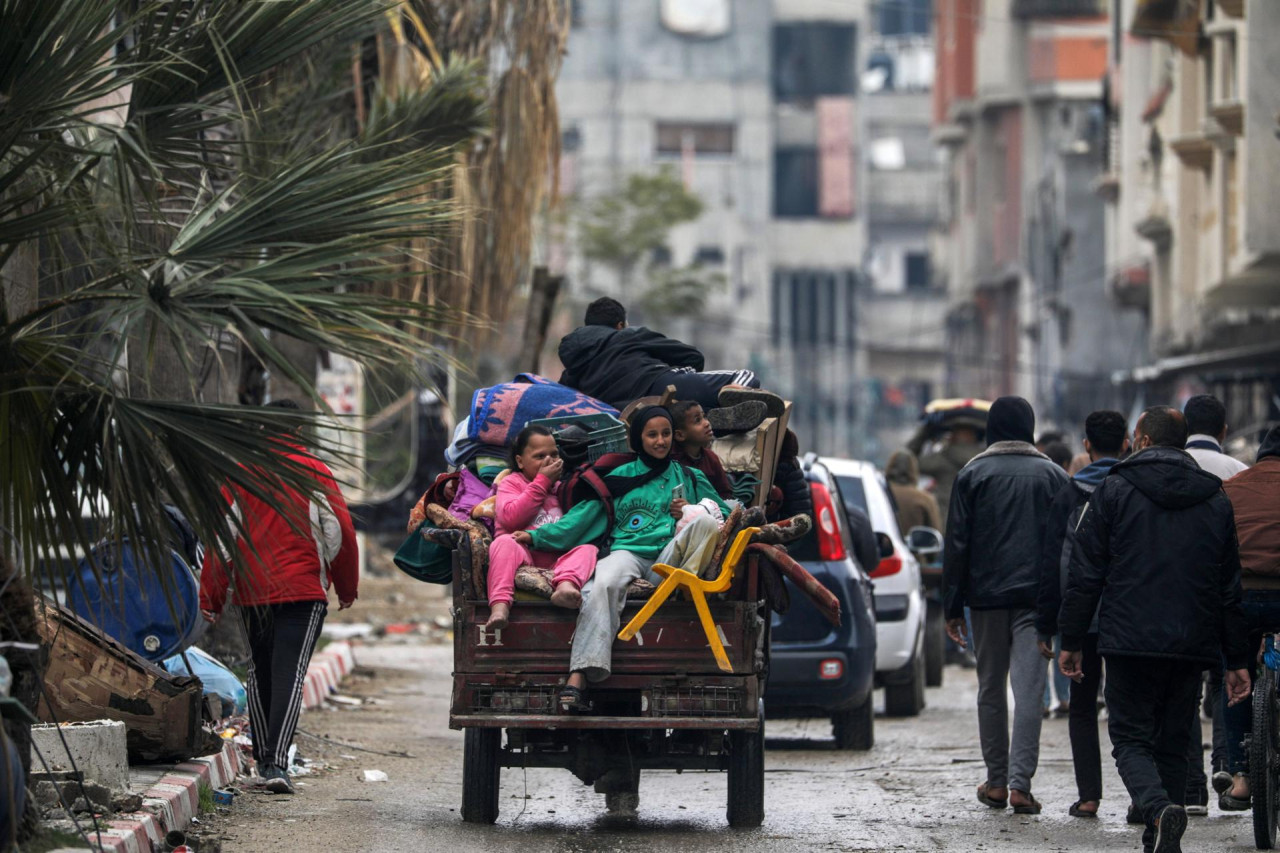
(898, 591)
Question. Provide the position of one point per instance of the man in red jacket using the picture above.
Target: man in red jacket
(282, 587)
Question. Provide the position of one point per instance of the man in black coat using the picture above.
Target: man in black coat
(611, 361)
(1157, 547)
(995, 529)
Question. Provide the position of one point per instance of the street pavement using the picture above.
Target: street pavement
(913, 791)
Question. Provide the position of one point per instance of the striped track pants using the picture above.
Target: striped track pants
(281, 639)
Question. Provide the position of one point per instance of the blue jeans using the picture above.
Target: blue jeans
(1262, 616)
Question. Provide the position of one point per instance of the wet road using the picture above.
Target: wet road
(913, 791)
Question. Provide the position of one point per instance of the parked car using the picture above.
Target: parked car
(900, 604)
(816, 670)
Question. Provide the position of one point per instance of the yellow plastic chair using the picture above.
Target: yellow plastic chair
(697, 589)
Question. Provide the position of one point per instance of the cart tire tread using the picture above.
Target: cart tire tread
(1262, 774)
(480, 775)
(746, 778)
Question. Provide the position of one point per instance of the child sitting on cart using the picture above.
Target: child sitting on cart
(526, 501)
(693, 437)
(649, 496)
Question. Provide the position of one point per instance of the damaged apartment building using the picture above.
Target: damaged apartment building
(803, 126)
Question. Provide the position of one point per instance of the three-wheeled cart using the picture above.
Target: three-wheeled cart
(667, 704)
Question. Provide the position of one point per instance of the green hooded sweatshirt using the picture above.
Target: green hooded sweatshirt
(642, 517)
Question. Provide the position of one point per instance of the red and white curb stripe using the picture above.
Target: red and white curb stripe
(172, 802)
(326, 670)
(169, 804)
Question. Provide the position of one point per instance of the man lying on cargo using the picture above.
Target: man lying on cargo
(611, 361)
(650, 494)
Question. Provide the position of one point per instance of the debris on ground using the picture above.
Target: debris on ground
(375, 776)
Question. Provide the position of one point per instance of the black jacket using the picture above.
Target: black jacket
(1157, 545)
(995, 529)
(620, 365)
(795, 490)
(1059, 542)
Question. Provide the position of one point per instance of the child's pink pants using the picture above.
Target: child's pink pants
(506, 556)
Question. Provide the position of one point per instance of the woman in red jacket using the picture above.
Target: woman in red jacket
(282, 588)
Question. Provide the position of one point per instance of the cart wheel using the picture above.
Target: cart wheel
(935, 644)
(480, 775)
(1262, 760)
(746, 777)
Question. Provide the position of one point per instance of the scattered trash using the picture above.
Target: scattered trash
(348, 701)
(216, 678)
(443, 622)
(223, 798)
(348, 631)
(375, 776)
(399, 628)
(347, 757)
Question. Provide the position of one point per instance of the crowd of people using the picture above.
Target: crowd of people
(1149, 571)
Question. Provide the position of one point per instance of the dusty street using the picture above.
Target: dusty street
(912, 792)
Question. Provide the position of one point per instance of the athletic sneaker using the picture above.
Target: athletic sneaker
(1197, 802)
(746, 416)
(1170, 827)
(276, 781)
(732, 395)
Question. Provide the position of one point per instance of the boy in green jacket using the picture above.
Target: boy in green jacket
(649, 497)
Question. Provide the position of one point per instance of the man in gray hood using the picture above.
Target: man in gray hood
(995, 532)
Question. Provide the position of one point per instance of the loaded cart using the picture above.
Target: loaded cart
(673, 701)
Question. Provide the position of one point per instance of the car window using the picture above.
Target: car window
(853, 493)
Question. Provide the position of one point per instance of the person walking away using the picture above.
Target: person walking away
(1106, 440)
(526, 500)
(1207, 424)
(914, 507)
(1156, 557)
(1255, 497)
(291, 549)
(962, 443)
(995, 532)
(611, 361)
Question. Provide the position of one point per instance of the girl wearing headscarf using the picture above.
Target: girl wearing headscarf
(647, 505)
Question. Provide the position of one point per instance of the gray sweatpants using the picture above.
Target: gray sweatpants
(1004, 643)
(605, 594)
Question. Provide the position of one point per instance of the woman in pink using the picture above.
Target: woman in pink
(525, 501)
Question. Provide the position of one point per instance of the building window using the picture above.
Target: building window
(709, 256)
(916, 267)
(661, 256)
(795, 182)
(813, 59)
(905, 17)
(813, 307)
(702, 138)
(575, 13)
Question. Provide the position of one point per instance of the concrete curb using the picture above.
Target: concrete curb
(326, 670)
(171, 802)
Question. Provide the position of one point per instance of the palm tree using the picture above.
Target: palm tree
(165, 213)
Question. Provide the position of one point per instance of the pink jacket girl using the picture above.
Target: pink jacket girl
(525, 501)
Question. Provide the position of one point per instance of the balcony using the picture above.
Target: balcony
(903, 197)
(1058, 8)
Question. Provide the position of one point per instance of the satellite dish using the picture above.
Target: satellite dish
(700, 18)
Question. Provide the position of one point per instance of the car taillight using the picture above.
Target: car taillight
(830, 545)
(888, 566)
(831, 669)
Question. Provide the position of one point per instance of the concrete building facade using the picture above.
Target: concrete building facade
(1194, 232)
(757, 105)
(1019, 113)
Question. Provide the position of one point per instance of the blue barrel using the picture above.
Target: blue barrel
(153, 614)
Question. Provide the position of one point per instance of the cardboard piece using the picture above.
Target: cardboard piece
(89, 676)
